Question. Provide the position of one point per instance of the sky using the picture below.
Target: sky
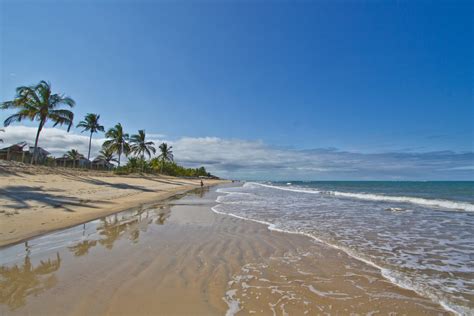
(275, 90)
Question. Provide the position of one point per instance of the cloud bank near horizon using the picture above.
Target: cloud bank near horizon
(242, 159)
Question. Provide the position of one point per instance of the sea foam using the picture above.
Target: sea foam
(446, 204)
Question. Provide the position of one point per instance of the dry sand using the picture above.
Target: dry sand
(36, 200)
(180, 258)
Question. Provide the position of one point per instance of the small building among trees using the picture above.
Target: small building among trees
(18, 153)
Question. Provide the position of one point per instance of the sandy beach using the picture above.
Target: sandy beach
(178, 257)
(35, 200)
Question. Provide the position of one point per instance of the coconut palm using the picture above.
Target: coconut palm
(74, 155)
(118, 141)
(166, 154)
(91, 123)
(107, 154)
(39, 103)
(140, 146)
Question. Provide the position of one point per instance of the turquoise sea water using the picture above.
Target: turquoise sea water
(419, 234)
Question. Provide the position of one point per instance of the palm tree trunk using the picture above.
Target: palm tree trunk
(89, 153)
(120, 154)
(34, 156)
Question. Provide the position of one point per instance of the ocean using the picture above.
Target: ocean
(419, 234)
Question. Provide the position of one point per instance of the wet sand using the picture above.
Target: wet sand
(180, 258)
(35, 199)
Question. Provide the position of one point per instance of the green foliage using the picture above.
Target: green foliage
(135, 165)
(91, 124)
(166, 154)
(74, 154)
(171, 168)
(117, 141)
(38, 103)
(139, 145)
(121, 170)
(107, 154)
(156, 165)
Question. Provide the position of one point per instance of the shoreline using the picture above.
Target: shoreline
(189, 259)
(37, 200)
(393, 276)
(271, 228)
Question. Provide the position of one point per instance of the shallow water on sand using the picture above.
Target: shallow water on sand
(419, 235)
(180, 258)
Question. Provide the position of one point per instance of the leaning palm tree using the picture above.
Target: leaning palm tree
(38, 103)
(117, 141)
(91, 123)
(140, 146)
(74, 155)
(166, 154)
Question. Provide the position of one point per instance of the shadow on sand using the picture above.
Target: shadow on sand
(123, 186)
(22, 195)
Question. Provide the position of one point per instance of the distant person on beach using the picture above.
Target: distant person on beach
(202, 184)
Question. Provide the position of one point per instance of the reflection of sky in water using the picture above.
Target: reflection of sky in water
(429, 250)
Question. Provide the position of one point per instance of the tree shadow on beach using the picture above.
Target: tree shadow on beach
(165, 181)
(21, 196)
(123, 186)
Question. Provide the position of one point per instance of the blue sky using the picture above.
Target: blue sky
(360, 77)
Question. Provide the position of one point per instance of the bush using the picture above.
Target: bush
(122, 170)
(173, 169)
(138, 165)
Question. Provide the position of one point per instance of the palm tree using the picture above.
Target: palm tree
(74, 155)
(107, 154)
(140, 146)
(166, 154)
(91, 123)
(117, 141)
(38, 103)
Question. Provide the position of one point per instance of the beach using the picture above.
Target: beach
(181, 257)
(36, 200)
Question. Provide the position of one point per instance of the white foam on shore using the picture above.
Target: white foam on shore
(452, 205)
(232, 302)
(392, 276)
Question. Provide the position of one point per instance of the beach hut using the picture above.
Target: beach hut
(41, 154)
(65, 161)
(14, 152)
(100, 163)
(17, 152)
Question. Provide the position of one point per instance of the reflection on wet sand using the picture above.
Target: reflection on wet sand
(21, 280)
(114, 227)
(82, 248)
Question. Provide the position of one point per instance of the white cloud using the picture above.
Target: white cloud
(155, 136)
(257, 160)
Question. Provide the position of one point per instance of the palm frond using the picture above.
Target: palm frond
(13, 118)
